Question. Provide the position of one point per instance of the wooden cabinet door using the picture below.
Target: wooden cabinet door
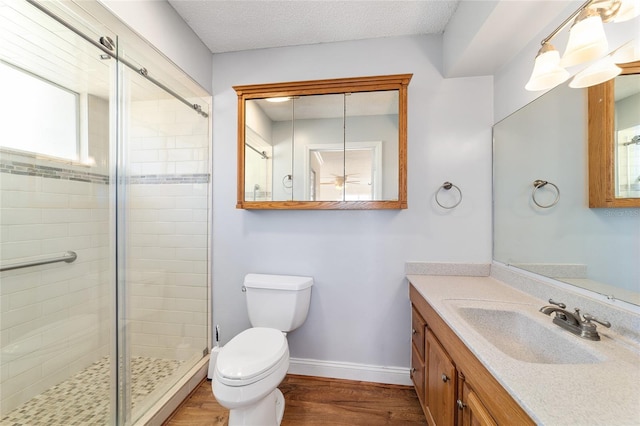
(441, 384)
(474, 413)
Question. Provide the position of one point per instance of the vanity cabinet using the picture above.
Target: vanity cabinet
(473, 412)
(440, 378)
(418, 329)
(453, 386)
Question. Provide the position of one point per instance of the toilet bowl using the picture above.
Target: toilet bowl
(250, 367)
(247, 373)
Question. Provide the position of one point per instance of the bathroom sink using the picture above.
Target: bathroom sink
(524, 338)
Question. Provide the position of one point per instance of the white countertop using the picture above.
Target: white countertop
(601, 393)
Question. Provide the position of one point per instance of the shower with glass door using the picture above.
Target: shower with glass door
(104, 218)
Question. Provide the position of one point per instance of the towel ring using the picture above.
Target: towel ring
(447, 186)
(537, 184)
(287, 181)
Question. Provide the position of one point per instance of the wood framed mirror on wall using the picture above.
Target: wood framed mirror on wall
(614, 140)
(323, 144)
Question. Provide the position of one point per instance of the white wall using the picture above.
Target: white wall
(160, 24)
(359, 309)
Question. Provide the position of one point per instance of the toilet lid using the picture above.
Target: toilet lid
(251, 353)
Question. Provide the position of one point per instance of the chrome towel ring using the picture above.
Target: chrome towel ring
(537, 184)
(447, 186)
(287, 181)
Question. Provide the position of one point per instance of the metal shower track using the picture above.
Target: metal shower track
(103, 47)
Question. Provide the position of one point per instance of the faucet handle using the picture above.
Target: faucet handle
(589, 318)
(559, 304)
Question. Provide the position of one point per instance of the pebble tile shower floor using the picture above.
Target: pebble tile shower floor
(83, 399)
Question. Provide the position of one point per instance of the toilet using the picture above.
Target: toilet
(250, 367)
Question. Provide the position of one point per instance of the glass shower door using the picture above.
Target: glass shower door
(163, 231)
(105, 174)
(56, 319)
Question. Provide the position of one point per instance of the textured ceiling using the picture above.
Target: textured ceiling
(228, 25)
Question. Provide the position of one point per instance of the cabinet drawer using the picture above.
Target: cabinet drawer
(418, 326)
(417, 374)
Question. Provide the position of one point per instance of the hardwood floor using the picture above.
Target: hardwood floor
(315, 401)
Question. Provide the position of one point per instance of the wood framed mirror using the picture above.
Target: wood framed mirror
(323, 144)
(614, 140)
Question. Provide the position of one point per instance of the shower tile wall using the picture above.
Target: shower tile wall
(49, 207)
(167, 230)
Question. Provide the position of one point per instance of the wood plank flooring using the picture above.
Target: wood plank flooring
(315, 401)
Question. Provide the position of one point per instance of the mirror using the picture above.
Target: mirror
(595, 249)
(614, 140)
(326, 144)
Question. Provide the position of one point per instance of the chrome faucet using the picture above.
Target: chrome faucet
(582, 326)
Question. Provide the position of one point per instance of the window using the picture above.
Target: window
(37, 115)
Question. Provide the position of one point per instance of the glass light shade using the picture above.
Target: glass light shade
(587, 40)
(597, 73)
(629, 9)
(628, 52)
(547, 73)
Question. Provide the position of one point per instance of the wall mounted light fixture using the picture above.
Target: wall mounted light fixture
(587, 42)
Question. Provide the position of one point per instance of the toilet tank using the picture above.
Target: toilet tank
(277, 301)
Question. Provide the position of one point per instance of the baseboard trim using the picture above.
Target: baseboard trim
(350, 371)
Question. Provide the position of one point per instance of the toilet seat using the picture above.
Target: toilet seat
(251, 356)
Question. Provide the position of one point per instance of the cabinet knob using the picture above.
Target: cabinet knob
(445, 378)
(413, 331)
(461, 405)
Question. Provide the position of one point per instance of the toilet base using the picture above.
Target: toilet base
(266, 412)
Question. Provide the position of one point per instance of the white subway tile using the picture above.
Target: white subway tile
(14, 317)
(15, 233)
(174, 215)
(20, 251)
(183, 241)
(66, 215)
(143, 156)
(189, 167)
(192, 141)
(9, 216)
(200, 215)
(25, 363)
(155, 228)
(192, 202)
(196, 254)
(154, 143)
(151, 202)
(19, 280)
(193, 280)
(17, 182)
(190, 228)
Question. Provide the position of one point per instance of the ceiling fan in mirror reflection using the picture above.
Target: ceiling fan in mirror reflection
(339, 181)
